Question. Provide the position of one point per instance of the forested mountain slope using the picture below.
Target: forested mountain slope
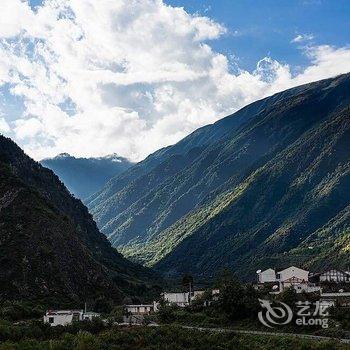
(246, 192)
(50, 247)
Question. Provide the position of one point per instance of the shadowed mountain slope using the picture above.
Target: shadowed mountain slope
(245, 192)
(50, 247)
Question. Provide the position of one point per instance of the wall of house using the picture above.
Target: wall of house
(139, 309)
(59, 320)
(334, 276)
(291, 272)
(267, 276)
(177, 298)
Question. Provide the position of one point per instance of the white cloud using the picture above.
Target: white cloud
(127, 76)
(28, 128)
(4, 127)
(302, 38)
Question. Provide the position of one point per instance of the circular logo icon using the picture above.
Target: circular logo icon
(278, 315)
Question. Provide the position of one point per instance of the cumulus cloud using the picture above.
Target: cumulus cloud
(127, 76)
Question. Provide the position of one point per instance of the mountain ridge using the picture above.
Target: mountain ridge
(85, 176)
(50, 247)
(135, 212)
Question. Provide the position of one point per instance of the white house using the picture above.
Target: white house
(66, 317)
(62, 317)
(292, 275)
(140, 309)
(267, 276)
(335, 276)
(180, 299)
(307, 288)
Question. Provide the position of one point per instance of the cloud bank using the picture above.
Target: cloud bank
(126, 76)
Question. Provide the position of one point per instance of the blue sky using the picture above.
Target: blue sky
(266, 27)
(34, 3)
(95, 77)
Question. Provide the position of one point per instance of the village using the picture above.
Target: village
(332, 286)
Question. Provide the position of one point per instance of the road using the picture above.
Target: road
(273, 334)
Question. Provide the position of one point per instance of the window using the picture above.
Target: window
(51, 320)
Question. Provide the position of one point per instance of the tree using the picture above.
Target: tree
(289, 297)
(238, 301)
(103, 305)
(187, 283)
(166, 313)
(224, 277)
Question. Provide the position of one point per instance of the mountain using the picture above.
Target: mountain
(85, 176)
(266, 186)
(50, 247)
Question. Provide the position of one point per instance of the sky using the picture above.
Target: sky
(92, 78)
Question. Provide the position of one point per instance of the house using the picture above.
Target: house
(339, 298)
(292, 275)
(140, 309)
(196, 294)
(62, 317)
(215, 293)
(307, 288)
(336, 276)
(180, 299)
(266, 276)
(89, 316)
(212, 297)
(136, 313)
(288, 277)
(66, 317)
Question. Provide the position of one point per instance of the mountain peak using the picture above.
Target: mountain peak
(63, 155)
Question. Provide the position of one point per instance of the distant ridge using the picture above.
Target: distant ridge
(85, 176)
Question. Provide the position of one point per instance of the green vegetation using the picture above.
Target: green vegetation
(237, 307)
(19, 310)
(51, 251)
(264, 187)
(163, 244)
(198, 326)
(165, 337)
